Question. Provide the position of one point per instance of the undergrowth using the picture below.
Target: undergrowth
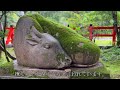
(111, 59)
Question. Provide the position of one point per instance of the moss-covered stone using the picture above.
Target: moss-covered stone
(70, 40)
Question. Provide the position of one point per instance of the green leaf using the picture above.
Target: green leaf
(2, 34)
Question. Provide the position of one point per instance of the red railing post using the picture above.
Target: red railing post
(90, 32)
(114, 36)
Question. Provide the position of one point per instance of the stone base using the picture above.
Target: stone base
(96, 72)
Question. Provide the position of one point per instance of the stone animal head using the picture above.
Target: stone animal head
(38, 50)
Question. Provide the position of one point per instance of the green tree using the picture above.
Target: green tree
(2, 36)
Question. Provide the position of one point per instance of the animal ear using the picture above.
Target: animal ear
(33, 38)
(36, 32)
(32, 42)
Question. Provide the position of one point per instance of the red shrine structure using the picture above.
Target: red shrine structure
(10, 34)
(113, 35)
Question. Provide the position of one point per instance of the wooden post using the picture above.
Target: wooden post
(114, 36)
(90, 32)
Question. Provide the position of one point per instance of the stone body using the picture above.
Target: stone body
(40, 43)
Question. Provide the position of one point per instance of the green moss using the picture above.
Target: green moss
(61, 56)
(68, 38)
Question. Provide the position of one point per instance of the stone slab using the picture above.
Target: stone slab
(95, 72)
(15, 77)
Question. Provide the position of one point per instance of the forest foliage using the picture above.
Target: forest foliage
(80, 20)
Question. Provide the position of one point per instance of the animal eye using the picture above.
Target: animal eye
(47, 46)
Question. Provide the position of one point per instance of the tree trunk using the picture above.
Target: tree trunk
(25, 12)
(10, 56)
(114, 14)
(0, 53)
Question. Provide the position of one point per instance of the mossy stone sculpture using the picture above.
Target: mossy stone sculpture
(41, 43)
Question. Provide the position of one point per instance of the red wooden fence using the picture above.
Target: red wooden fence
(113, 35)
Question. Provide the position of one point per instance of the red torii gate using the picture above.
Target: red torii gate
(113, 35)
(10, 34)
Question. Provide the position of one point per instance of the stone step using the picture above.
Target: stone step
(15, 77)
